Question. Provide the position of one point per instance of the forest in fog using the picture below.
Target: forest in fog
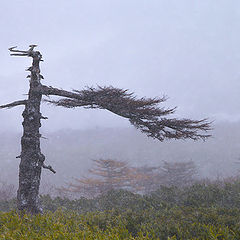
(72, 152)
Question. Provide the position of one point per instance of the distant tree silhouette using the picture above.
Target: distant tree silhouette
(146, 179)
(7, 191)
(106, 175)
(144, 113)
(179, 173)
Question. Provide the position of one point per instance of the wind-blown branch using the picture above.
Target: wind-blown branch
(144, 113)
(116, 100)
(45, 90)
(14, 104)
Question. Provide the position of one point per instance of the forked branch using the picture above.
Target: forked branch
(22, 53)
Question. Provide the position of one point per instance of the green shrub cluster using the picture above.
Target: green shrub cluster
(175, 223)
(224, 195)
(201, 211)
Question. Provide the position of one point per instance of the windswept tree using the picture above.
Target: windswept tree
(144, 113)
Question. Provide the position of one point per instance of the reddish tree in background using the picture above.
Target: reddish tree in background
(108, 174)
(105, 175)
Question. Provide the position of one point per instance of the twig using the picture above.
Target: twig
(44, 137)
(14, 104)
(22, 53)
(45, 118)
(49, 168)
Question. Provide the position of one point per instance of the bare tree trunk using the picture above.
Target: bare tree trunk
(31, 157)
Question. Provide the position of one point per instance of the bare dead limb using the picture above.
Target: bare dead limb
(49, 168)
(28, 53)
(45, 90)
(31, 163)
(14, 104)
(144, 113)
(45, 118)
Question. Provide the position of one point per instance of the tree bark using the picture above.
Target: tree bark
(31, 157)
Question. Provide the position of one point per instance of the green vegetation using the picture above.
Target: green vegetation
(175, 223)
(202, 211)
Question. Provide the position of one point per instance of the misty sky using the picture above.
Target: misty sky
(188, 50)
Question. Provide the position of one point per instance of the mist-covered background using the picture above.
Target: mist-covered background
(187, 50)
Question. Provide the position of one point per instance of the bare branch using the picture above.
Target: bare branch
(29, 53)
(19, 54)
(14, 104)
(49, 168)
(11, 48)
(45, 90)
(144, 113)
(45, 118)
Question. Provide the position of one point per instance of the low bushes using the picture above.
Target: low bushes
(175, 223)
(201, 211)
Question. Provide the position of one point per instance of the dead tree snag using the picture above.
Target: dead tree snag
(32, 160)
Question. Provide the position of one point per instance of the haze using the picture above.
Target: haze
(187, 50)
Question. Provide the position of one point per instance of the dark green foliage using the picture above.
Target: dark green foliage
(202, 211)
(114, 199)
(8, 205)
(224, 195)
(175, 223)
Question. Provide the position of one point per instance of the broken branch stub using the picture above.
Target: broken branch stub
(14, 104)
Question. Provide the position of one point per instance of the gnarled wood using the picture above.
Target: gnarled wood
(32, 160)
(31, 157)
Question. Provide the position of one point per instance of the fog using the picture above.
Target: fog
(187, 50)
(71, 152)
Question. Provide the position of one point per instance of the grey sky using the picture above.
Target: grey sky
(188, 50)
